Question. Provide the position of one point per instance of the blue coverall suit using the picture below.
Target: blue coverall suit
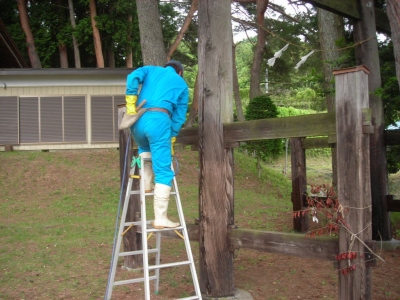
(163, 88)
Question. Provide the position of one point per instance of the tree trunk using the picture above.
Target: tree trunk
(367, 55)
(216, 162)
(110, 58)
(129, 55)
(30, 42)
(151, 37)
(258, 52)
(330, 30)
(96, 35)
(195, 105)
(62, 48)
(184, 28)
(393, 12)
(74, 41)
(236, 91)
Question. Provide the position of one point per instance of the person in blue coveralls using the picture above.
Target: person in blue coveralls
(155, 123)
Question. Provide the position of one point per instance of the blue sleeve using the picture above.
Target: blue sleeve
(178, 117)
(134, 79)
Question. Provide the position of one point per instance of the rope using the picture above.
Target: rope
(118, 213)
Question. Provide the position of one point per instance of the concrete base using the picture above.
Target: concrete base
(388, 245)
(239, 295)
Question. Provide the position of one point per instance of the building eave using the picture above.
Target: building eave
(63, 77)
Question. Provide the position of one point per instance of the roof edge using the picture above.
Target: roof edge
(69, 71)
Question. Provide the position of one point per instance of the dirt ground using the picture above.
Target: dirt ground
(273, 276)
(279, 277)
(263, 275)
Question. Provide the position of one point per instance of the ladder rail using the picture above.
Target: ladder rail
(186, 238)
(119, 239)
(143, 217)
(145, 230)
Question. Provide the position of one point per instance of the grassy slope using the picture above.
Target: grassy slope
(58, 210)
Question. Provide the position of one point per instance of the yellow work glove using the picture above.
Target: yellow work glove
(131, 104)
(173, 140)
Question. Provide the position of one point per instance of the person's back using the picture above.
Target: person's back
(162, 87)
(164, 96)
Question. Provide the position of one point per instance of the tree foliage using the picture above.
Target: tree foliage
(262, 107)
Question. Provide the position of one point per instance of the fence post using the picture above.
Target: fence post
(132, 240)
(354, 190)
(299, 182)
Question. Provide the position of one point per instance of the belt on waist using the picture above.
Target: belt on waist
(159, 109)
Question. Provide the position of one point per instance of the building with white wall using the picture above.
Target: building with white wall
(46, 109)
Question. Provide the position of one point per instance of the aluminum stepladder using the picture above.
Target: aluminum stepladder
(146, 229)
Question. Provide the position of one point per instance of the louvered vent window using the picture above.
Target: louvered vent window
(104, 113)
(52, 119)
(29, 120)
(8, 120)
(74, 119)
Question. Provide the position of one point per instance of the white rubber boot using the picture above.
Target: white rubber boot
(161, 199)
(147, 172)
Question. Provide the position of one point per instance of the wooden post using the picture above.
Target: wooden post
(354, 191)
(132, 240)
(299, 182)
(367, 55)
(216, 162)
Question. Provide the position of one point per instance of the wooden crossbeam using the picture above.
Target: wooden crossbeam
(308, 126)
(292, 244)
(351, 9)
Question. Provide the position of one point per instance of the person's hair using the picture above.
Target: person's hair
(176, 65)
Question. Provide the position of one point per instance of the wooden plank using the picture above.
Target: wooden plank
(188, 136)
(351, 9)
(392, 137)
(299, 182)
(315, 143)
(348, 8)
(293, 244)
(392, 204)
(285, 127)
(354, 193)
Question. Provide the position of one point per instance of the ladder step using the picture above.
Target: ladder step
(137, 223)
(128, 253)
(180, 263)
(151, 229)
(146, 228)
(128, 281)
(137, 192)
(164, 229)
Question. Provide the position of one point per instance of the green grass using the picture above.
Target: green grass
(58, 210)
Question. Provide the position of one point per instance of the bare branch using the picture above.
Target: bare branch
(184, 28)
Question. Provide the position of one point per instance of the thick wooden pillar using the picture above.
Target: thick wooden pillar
(367, 55)
(216, 162)
(132, 240)
(354, 192)
(299, 183)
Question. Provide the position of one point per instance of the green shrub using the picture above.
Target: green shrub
(262, 107)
